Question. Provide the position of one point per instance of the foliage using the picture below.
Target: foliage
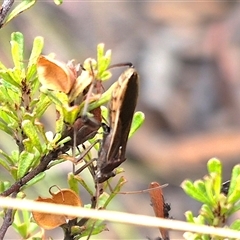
(23, 104)
(220, 201)
(27, 91)
(21, 7)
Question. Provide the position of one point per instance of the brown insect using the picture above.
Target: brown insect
(161, 209)
(121, 110)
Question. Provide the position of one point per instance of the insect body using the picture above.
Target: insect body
(121, 111)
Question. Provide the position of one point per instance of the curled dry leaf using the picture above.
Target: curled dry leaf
(158, 205)
(55, 75)
(50, 221)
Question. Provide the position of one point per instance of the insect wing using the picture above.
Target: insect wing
(122, 107)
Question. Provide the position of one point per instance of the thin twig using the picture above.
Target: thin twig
(8, 219)
(40, 168)
(6, 6)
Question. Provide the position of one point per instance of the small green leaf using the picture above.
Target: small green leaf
(200, 185)
(58, 2)
(234, 177)
(5, 164)
(116, 190)
(83, 183)
(36, 51)
(234, 209)
(105, 76)
(236, 225)
(193, 192)
(106, 96)
(8, 77)
(199, 220)
(209, 190)
(21, 223)
(17, 43)
(235, 195)
(33, 181)
(25, 162)
(8, 117)
(73, 183)
(93, 227)
(214, 166)
(138, 120)
(206, 212)
(189, 216)
(191, 236)
(31, 132)
(4, 186)
(10, 95)
(10, 158)
(24, 5)
(103, 61)
(70, 114)
(42, 104)
(6, 129)
(55, 162)
(216, 184)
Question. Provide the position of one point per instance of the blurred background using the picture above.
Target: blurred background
(188, 58)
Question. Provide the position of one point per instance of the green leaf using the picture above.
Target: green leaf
(17, 43)
(10, 96)
(214, 166)
(21, 223)
(8, 117)
(5, 164)
(209, 190)
(70, 114)
(31, 131)
(24, 5)
(25, 162)
(200, 185)
(73, 183)
(189, 216)
(193, 192)
(106, 96)
(4, 185)
(36, 51)
(8, 77)
(42, 104)
(138, 120)
(234, 177)
(83, 183)
(216, 184)
(191, 236)
(55, 162)
(105, 76)
(236, 225)
(33, 181)
(103, 61)
(235, 195)
(58, 2)
(234, 209)
(199, 220)
(116, 190)
(93, 227)
(6, 129)
(206, 212)
(10, 159)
